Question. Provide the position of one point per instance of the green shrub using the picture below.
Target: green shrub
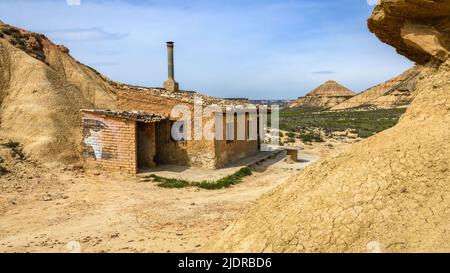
(292, 134)
(170, 182)
(290, 140)
(365, 122)
(312, 137)
(225, 182)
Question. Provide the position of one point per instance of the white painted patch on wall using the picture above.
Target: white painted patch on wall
(94, 140)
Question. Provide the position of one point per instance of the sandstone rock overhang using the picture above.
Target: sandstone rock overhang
(418, 29)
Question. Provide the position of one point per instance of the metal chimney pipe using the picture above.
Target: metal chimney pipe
(170, 46)
(171, 84)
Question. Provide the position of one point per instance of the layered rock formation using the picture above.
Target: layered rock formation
(388, 193)
(395, 92)
(326, 95)
(42, 89)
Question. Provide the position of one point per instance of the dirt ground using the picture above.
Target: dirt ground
(329, 147)
(59, 209)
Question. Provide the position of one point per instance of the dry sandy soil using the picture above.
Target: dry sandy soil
(42, 209)
(330, 147)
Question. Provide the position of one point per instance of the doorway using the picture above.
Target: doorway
(145, 145)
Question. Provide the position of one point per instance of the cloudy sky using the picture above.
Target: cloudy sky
(260, 49)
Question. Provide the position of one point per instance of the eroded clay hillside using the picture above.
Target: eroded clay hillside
(395, 92)
(388, 193)
(42, 89)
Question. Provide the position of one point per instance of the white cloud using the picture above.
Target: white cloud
(73, 2)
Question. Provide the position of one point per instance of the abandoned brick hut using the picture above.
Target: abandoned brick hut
(138, 136)
(129, 142)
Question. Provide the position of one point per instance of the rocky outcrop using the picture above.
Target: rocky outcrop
(388, 193)
(326, 95)
(396, 92)
(418, 29)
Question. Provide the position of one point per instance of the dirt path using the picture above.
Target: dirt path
(115, 214)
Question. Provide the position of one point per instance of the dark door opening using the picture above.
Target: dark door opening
(162, 131)
(145, 145)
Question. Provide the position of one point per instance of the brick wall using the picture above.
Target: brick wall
(203, 153)
(109, 143)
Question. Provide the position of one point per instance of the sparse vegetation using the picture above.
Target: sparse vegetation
(24, 41)
(170, 182)
(15, 147)
(290, 140)
(3, 170)
(8, 31)
(291, 134)
(225, 182)
(365, 123)
(16, 36)
(311, 137)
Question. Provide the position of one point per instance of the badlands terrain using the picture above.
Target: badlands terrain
(389, 192)
(66, 209)
(49, 203)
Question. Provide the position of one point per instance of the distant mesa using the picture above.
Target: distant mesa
(327, 95)
(331, 89)
(396, 92)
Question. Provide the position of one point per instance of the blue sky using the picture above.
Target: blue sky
(259, 49)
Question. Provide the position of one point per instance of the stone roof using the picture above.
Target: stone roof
(135, 115)
(186, 96)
